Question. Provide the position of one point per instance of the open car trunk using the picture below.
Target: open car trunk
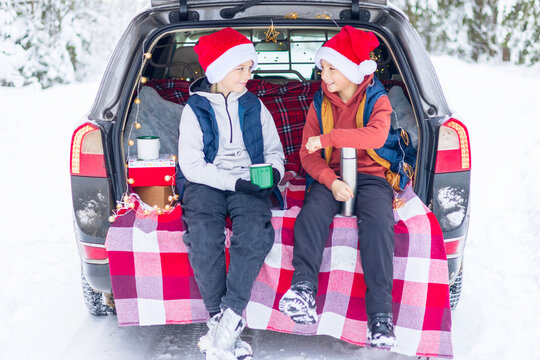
(285, 80)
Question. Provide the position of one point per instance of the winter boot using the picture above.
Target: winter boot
(242, 350)
(381, 331)
(298, 303)
(206, 340)
(225, 336)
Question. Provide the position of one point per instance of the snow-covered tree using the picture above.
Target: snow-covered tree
(58, 41)
(478, 30)
(521, 32)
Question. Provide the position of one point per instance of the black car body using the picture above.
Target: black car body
(98, 160)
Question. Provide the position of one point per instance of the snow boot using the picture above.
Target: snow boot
(242, 350)
(224, 337)
(206, 340)
(381, 331)
(298, 303)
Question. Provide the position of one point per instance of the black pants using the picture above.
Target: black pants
(205, 209)
(375, 233)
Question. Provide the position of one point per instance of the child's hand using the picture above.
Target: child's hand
(341, 191)
(313, 144)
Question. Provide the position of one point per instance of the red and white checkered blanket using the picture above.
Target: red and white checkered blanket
(153, 282)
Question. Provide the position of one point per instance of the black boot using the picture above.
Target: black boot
(298, 303)
(381, 331)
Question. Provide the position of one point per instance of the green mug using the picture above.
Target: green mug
(261, 174)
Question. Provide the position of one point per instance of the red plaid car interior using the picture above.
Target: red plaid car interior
(153, 282)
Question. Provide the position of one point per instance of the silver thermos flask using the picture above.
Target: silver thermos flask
(348, 175)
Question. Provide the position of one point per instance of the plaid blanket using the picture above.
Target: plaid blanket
(153, 282)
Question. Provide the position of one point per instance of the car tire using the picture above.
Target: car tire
(455, 290)
(97, 303)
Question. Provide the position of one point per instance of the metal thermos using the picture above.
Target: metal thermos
(348, 175)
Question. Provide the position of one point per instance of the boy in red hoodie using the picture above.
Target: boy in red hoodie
(347, 74)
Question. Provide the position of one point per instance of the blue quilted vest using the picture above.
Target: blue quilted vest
(249, 113)
(397, 149)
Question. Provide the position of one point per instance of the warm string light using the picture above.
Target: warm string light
(129, 203)
(323, 16)
(126, 202)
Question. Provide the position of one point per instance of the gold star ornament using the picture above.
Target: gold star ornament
(271, 34)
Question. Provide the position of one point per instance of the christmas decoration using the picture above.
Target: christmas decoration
(162, 174)
(271, 34)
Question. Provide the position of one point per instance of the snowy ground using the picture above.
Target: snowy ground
(41, 307)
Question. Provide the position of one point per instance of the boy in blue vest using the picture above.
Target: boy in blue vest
(223, 130)
(352, 110)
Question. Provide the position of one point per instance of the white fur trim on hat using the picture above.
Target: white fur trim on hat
(231, 58)
(348, 68)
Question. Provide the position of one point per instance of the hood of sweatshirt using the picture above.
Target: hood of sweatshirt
(202, 87)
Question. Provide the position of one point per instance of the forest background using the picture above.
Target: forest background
(50, 42)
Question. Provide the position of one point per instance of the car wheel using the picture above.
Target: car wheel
(455, 290)
(97, 303)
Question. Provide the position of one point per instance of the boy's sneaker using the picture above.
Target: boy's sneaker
(381, 331)
(224, 337)
(242, 350)
(298, 303)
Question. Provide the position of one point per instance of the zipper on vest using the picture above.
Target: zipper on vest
(229, 115)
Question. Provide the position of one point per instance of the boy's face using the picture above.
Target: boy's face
(237, 79)
(335, 81)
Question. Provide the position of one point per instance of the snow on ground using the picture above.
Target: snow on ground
(41, 306)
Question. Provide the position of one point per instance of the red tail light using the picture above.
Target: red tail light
(454, 150)
(87, 152)
(95, 252)
(452, 246)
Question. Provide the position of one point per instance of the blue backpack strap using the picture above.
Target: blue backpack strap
(395, 149)
(373, 93)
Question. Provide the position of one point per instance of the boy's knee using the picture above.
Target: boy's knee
(382, 225)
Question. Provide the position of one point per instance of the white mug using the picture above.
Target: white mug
(148, 147)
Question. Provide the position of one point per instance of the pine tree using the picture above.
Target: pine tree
(521, 33)
(481, 26)
(12, 53)
(51, 42)
(449, 23)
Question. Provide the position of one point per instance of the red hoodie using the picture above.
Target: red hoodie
(346, 134)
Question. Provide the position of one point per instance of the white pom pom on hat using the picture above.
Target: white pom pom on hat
(222, 51)
(348, 51)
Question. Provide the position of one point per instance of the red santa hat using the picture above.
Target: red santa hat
(348, 51)
(222, 51)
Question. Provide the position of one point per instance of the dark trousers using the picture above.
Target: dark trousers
(205, 209)
(375, 234)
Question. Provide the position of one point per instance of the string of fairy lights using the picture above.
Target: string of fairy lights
(128, 199)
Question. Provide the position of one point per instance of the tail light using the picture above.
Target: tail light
(452, 246)
(94, 252)
(454, 151)
(87, 152)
